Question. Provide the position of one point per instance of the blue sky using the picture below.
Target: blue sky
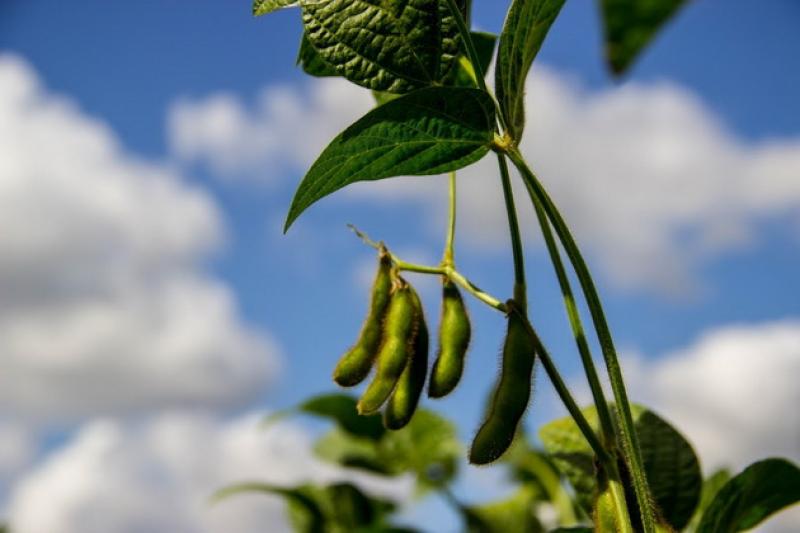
(693, 253)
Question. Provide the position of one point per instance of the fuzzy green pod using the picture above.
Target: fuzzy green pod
(511, 394)
(398, 332)
(405, 397)
(355, 365)
(454, 336)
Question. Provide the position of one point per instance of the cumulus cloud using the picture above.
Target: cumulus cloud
(158, 476)
(283, 130)
(651, 180)
(732, 392)
(105, 305)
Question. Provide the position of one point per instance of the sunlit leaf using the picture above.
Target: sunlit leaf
(262, 7)
(387, 46)
(430, 131)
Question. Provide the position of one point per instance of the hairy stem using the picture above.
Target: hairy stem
(630, 441)
(520, 296)
(603, 412)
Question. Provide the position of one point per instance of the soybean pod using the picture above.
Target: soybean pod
(398, 331)
(511, 394)
(355, 365)
(405, 397)
(454, 336)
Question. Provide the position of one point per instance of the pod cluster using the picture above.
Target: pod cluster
(394, 341)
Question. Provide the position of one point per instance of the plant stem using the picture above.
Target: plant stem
(603, 412)
(449, 253)
(563, 391)
(520, 296)
(627, 430)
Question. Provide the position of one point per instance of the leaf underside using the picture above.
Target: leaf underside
(524, 31)
(429, 131)
(262, 7)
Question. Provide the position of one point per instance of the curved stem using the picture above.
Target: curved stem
(630, 442)
(603, 412)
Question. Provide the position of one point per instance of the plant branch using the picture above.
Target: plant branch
(449, 253)
(441, 270)
(627, 430)
(516, 240)
(603, 412)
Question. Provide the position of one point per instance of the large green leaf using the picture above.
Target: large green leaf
(762, 489)
(430, 131)
(630, 25)
(311, 62)
(523, 33)
(262, 7)
(387, 46)
(670, 463)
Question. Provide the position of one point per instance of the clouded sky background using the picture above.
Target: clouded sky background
(151, 310)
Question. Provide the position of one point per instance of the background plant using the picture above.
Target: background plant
(630, 470)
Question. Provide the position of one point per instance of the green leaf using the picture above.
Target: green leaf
(427, 447)
(387, 46)
(630, 25)
(311, 62)
(511, 514)
(464, 74)
(670, 463)
(262, 7)
(341, 408)
(299, 498)
(526, 26)
(430, 131)
(711, 486)
(762, 489)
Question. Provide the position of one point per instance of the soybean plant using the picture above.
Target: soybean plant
(435, 115)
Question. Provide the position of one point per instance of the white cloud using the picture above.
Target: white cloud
(651, 180)
(105, 306)
(284, 130)
(158, 475)
(732, 392)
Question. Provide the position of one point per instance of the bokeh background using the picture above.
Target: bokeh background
(151, 311)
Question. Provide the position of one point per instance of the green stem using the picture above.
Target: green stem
(627, 430)
(516, 241)
(603, 412)
(441, 270)
(449, 253)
